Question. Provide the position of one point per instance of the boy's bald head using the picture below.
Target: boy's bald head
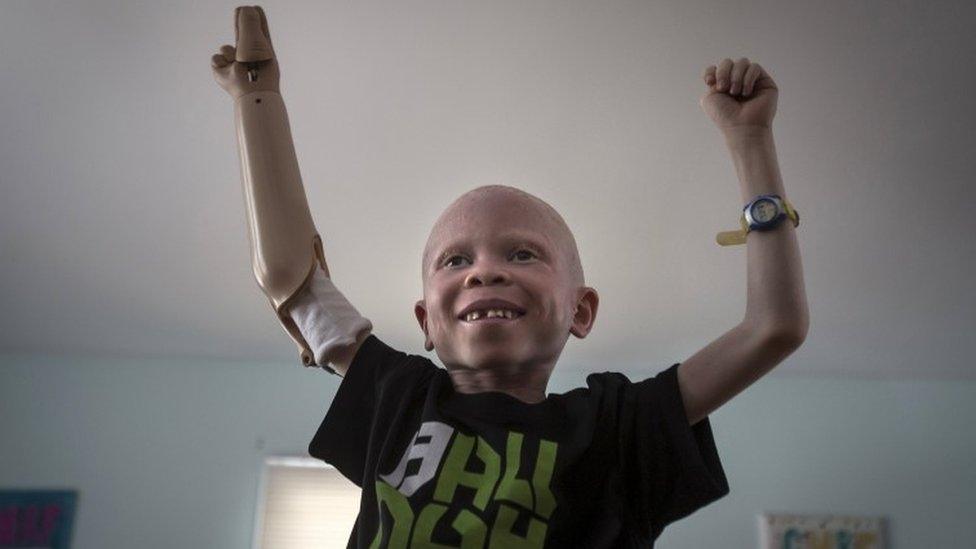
(515, 202)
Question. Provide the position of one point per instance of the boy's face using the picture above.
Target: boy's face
(501, 246)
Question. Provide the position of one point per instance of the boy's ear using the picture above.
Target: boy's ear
(420, 310)
(585, 313)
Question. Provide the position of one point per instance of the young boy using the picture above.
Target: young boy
(475, 454)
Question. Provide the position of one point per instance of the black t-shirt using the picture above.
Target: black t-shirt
(608, 466)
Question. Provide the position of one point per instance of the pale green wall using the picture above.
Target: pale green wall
(166, 455)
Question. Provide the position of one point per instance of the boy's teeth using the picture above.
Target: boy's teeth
(491, 313)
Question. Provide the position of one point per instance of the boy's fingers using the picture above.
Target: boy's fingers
(252, 44)
(264, 26)
(749, 79)
(738, 69)
(228, 52)
(709, 75)
(765, 80)
(722, 74)
(248, 21)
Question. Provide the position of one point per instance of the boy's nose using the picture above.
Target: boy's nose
(486, 276)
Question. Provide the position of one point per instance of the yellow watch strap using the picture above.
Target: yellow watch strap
(732, 238)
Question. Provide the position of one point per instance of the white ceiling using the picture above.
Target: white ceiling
(122, 214)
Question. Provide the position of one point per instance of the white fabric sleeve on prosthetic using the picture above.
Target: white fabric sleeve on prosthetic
(326, 318)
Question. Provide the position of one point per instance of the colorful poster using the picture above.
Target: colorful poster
(790, 531)
(37, 518)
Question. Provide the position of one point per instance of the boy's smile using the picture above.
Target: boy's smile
(500, 292)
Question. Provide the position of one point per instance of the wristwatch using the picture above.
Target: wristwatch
(765, 212)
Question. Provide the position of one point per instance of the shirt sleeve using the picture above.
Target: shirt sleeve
(373, 392)
(666, 469)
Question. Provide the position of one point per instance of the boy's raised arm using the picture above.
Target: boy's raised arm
(286, 248)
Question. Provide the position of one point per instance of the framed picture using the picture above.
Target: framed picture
(37, 518)
(792, 531)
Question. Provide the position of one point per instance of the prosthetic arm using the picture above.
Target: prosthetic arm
(286, 249)
(285, 246)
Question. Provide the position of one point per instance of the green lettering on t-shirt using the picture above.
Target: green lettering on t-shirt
(402, 515)
(545, 462)
(511, 488)
(524, 495)
(453, 474)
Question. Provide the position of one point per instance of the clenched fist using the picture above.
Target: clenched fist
(741, 95)
(250, 65)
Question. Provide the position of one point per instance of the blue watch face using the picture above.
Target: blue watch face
(764, 210)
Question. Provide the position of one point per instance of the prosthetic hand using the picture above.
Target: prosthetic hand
(286, 249)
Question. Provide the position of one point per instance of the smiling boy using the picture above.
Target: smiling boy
(499, 248)
(476, 454)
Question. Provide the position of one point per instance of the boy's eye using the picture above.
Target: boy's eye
(450, 260)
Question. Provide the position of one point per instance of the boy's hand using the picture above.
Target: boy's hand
(741, 95)
(230, 66)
